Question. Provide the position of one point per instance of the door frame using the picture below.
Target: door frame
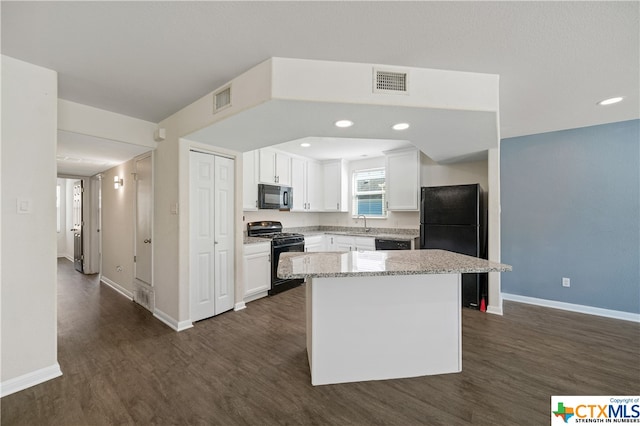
(139, 285)
(91, 241)
(184, 247)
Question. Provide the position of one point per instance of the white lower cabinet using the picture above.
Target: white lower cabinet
(350, 243)
(343, 243)
(314, 243)
(257, 270)
(365, 243)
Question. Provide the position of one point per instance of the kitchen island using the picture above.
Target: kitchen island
(375, 315)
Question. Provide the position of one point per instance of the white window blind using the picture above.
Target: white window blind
(369, 193)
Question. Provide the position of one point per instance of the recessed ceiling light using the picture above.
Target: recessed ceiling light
(344, 123)
(611, 101)
(305, 144)
(400, 126)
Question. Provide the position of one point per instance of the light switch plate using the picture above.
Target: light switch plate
(23, 206)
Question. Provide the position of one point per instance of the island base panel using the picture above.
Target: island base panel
(383, 327)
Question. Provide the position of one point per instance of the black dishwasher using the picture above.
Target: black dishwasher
(382, 244)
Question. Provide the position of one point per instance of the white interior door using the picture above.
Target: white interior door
(143, 167)
(211, 203)
(224, 243)
(78, 248)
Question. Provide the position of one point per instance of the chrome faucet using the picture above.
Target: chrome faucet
(365, 222)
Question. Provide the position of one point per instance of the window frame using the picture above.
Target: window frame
(356, 194)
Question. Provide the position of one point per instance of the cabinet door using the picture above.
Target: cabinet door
(335, 187)
(267, 166)
(344, 243)
(299, 184)
(314, 244)
(403, 180)
(315, 191)
(365, 243)
(249, 181)
(257, 269)
(283, 169)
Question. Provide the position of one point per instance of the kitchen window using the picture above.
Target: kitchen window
(369, 193)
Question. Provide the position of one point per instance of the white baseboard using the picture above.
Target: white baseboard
(239, 306)
(583, 309)
(30, 379)
(255, 296)
(495, 310)
(69, 258)
(117, 287)
(171, 322)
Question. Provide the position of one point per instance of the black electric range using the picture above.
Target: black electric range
(281, 242)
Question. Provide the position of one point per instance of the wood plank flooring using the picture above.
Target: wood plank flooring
(122, 366)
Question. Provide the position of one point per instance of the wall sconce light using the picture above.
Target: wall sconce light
(117, 182)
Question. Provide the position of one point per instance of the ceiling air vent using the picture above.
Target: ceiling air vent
(390, 82)
(222, 99)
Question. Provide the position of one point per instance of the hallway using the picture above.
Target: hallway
(122, 366)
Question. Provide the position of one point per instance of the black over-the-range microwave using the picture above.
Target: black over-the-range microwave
(275, 197)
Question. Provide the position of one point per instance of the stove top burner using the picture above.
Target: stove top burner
(273, 231)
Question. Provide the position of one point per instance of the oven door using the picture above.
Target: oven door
(279, 284)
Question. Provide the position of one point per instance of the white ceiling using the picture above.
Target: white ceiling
(149, 59)
(82, 155)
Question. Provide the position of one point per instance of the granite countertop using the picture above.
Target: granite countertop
(255, 240)
(382, 262)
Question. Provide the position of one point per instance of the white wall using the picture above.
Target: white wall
(86, 120)
(434, 174)
(288, 219)
(117, 228)
(29, 122)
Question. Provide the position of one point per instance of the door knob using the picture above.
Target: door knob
(147, 241)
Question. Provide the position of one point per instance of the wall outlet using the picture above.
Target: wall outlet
(566, 282)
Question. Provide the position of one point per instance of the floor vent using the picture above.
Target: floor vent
(144, 296)
(222, 99)
(390, 82)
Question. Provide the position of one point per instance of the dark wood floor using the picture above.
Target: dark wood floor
(122, 366)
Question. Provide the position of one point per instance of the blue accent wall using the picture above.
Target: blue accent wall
(571, 208)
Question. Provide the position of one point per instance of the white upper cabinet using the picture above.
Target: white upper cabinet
(250, 180)
(275, 167)
(403, 179)
(315, 186)
(299, 183)
(306, 180)
(335, 186)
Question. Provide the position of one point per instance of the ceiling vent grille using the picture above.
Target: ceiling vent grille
(222, 99)
(390, 82)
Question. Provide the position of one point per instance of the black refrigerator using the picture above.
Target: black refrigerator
(454, 218)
